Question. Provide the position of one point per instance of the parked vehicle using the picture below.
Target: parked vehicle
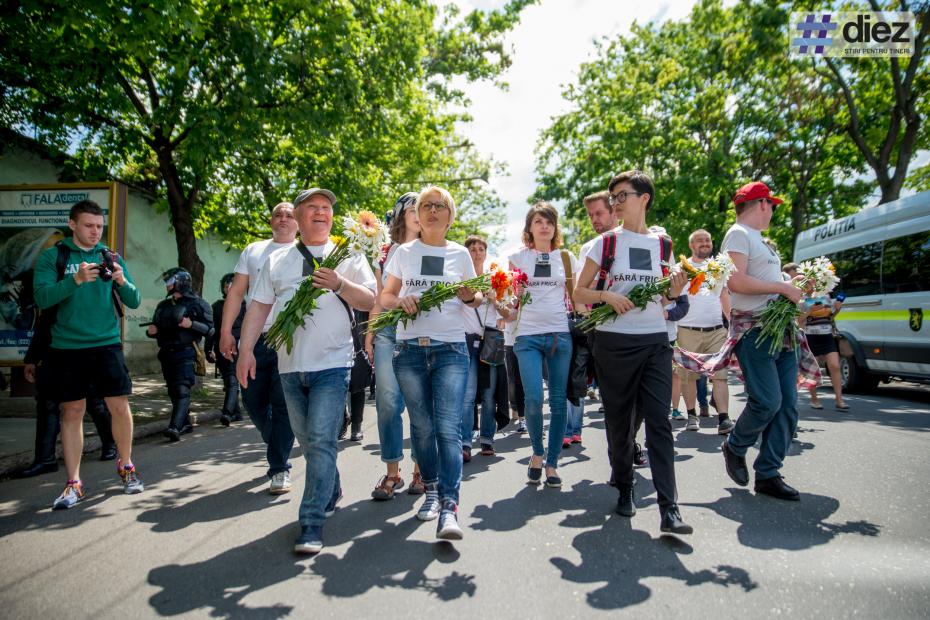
(882, 256)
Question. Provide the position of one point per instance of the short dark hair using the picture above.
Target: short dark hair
(604, 195)
(473, 239)
(85, 206)
(549, 212)
(640, 182)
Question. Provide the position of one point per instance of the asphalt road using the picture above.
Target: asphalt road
(206, 540)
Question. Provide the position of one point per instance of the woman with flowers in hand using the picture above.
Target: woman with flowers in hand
(430, 357)
(632, 352)
(817, 319)
(389, 401)
(542, 335)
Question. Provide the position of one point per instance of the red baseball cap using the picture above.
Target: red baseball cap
(754, 191)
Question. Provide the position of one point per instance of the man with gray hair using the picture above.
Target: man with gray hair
(702, 331)
(263, 399)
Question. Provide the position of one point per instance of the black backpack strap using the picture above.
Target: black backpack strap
(665, 252)
(61, 261)
(608, 253)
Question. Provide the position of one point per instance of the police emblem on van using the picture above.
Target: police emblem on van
(917, 319)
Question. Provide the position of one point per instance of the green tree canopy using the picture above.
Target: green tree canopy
(225, 107)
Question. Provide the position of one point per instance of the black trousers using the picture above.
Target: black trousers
(635, 375)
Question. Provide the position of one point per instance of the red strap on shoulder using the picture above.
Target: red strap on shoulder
(608, 252)
(665, 252)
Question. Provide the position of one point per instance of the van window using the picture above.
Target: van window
(859, 270)
(906, 264)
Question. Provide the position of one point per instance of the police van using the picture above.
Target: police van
(882, 256)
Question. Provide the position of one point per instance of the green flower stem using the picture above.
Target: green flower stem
(303, 303)
(433, 297)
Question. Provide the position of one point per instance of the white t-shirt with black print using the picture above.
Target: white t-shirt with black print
(636, 262)
(250, 264)
(476, 318)
(419, 266)
(325, 340)
(763, 264)
(547, 313)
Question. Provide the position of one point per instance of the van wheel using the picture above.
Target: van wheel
(855, 378)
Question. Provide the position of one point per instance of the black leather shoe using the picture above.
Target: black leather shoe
(37, 469)
(625, 506)
(108, 453)
(187, 428)
(224, 419)
(172, 434)
(777, 488)
(672, 523)
(736, 466)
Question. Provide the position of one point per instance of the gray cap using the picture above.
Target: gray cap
(306, 194)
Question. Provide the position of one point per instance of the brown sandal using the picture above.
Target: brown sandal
(416, 485)
(386, 487)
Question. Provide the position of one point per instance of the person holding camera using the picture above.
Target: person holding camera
(227, 368)
(179, 323)
(86, 354)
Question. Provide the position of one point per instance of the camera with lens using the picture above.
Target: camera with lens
(107, 265)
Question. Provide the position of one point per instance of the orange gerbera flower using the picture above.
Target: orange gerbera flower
(369, 222)
(696, 283)
(687, 267)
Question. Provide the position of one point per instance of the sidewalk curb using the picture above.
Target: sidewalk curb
(13, 463)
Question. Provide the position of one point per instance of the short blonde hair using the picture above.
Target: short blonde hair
(444, 196)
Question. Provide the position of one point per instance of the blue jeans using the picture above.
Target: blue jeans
(389, 401)
(433, 380)
(771, 409)
(702, 390)
(555, 350)
(315, 401)
(575, 418)
(471, 391)
(487, 423)
(264, 401)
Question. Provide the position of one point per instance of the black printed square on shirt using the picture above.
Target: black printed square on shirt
(640, 259)
(432, 265)
(543, 270)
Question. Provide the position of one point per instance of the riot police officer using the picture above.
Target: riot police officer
(226, 368)
(180, 321)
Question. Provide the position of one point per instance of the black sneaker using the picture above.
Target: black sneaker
(534, 475)
(639, 456)
(673, 524)
(625, 506)
(725, 425)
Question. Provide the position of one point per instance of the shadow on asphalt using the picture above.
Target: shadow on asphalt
(768, 523)
(605, 557)
(378, 557)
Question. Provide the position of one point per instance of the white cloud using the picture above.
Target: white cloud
(552, 40)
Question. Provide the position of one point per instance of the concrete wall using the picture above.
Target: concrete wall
(150, 249)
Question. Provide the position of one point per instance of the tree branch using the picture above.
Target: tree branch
(150, 83)
(854, 131)
(133, 97)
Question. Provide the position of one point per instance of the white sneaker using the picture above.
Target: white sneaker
(429, 509)
(280, 483)
(448, 527)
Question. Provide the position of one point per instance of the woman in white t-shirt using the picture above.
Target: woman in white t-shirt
(632, 352)
(430, 358)
(542, 335)
(389, 402)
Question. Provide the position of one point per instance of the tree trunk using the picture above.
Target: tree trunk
(182, 220)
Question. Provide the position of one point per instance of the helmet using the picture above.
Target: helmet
(178, 280)
(225, 281)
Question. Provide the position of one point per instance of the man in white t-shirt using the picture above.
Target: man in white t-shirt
(702, 331)
(603, 218)
(264, 399)
(315, 372)
(771, 380)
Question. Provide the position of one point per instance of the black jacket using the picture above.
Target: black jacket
(169, 313)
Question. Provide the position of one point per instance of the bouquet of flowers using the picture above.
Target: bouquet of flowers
(716, 273)
(363, 234)
(431, 298)
(780, 317)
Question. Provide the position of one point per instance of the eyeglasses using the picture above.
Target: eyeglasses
(434, 206)
(620, 197)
